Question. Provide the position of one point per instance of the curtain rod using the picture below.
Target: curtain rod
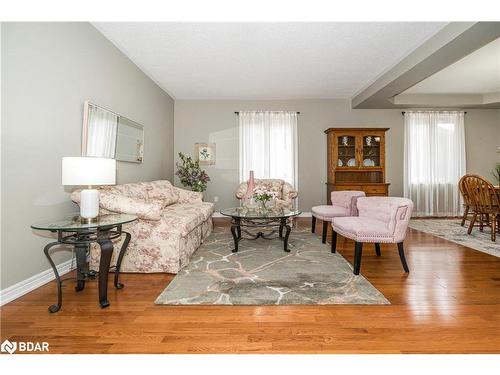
(403, 113)
(238, 113)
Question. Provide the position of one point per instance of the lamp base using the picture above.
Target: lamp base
(89, 205)
(89, 220)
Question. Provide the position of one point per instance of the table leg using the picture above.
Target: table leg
(287, 234)
(236, 232)
(106, 253)
(282, 225)
(123, 249)
(81, 265)
(57, 307)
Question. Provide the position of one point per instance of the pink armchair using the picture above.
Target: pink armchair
(343, 204)
(381, 219)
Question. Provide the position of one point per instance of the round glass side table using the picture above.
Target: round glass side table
(71, 231)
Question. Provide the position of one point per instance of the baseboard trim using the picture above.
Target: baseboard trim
(24, 287)
(218, 214)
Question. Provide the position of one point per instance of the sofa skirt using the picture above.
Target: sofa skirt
(142, 256)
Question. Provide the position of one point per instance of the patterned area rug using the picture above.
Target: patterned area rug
(261, 273)
(450, 230)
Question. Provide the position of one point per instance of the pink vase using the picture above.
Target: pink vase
(250, 186)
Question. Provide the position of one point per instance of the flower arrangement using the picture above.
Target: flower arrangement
(263, 196)
(190, 174)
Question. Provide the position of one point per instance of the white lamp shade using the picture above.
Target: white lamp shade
(88, 171)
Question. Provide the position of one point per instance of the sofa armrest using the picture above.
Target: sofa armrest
(289, 192)
(188, 196)
(242, 190)
(115, 203)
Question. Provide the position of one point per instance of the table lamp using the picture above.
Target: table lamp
(91, 172)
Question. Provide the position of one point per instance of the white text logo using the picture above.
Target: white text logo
(28, 346)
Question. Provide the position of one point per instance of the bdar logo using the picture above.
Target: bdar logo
(9, 347)
(24, 346)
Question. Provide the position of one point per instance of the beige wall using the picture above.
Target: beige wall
(48, 71)
(482, 139)
(215, 121)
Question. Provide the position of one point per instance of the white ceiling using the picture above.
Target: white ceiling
(477, 73)
(266, 60)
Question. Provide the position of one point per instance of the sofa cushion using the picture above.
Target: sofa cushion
(184, 217)
(362, 229)
(147, 210)
(162, 190)
(131, 190)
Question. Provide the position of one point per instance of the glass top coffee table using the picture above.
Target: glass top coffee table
(273, 220)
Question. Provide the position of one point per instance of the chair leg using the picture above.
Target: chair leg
(493, 230)
(481, 224)
(471, 225)
(402, 257)
(334, 241)
(358, 249)
(377, 249)
(325, 229)
(313, 227)
(466, 212)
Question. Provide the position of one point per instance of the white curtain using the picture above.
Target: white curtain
(434, 161)
(101, 133)
(268, 145)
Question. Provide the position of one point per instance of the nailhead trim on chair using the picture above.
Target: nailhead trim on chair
(381, 239)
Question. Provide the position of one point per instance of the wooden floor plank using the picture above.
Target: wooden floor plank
(449, 303)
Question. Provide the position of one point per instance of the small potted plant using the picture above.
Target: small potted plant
(496, 173)
(190, 174)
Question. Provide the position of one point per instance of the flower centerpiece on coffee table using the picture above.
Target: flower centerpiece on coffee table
(263, 197)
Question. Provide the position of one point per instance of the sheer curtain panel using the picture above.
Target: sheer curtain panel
(434, 157)
(102, 131)
(268, 145)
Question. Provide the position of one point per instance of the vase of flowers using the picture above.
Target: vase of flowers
(263, 197)
(190, 174)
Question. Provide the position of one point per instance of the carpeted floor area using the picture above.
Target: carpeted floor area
(450, 230)
(261, 273)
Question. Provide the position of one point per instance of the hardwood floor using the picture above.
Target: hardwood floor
(449, 303)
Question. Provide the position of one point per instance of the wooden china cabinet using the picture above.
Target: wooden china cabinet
(356, 160)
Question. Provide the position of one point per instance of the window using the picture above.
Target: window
(268, 145)
(434, 161)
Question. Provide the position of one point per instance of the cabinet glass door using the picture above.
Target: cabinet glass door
(346, 151)
(371, 151)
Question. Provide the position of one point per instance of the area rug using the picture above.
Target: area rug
(261, 273)
(450, 230)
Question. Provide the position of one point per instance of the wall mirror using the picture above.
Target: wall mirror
(107, 134)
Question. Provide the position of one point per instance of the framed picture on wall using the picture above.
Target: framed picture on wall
(205, 153)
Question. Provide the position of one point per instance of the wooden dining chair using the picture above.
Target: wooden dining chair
(485, 201)
(467, 202)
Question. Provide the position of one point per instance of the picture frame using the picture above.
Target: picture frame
(205, 153)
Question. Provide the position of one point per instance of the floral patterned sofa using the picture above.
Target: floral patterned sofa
(172, 224)
(284, 191)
